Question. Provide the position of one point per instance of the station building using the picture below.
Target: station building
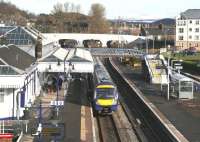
(18, 81)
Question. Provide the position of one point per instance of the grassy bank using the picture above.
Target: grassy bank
(189, 62)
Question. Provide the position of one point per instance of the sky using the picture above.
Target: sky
(127, 9)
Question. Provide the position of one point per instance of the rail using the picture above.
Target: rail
(107, 129)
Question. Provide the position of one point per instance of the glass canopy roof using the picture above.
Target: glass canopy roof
(7, 70)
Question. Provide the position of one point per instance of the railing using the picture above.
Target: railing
(120, 52)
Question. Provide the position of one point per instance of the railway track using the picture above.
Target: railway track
(151, 127)
(107, 129)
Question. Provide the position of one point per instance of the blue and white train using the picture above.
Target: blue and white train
(105, 99)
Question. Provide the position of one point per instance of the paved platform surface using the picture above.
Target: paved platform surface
(77, 115)
(185, 119)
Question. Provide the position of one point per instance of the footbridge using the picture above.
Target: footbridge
(116, 52)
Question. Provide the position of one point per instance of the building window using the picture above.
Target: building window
(190, 21)
(180, 37)
(190, 37)
(181, 23)
(196, 37)
(181, 30)
(190, 29)
(196, 30)
(197, 22)
(1, 95)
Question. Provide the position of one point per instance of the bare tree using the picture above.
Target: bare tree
(66, 6)
(58, 9)
(98, 22)
(78, 8)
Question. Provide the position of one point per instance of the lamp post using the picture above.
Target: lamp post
(168, 79)
(146, 32)
(166, 34)
(57, 87)
(153, 43)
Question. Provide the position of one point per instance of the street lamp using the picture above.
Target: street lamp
(166, 34)
(168, 79)
(153, 43)
(57, 87)
(146, 32)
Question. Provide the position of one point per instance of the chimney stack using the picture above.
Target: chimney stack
(38, 48)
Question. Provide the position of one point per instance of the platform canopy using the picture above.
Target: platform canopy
(64, 60)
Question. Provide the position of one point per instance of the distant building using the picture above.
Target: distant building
(135, 27)
(130, 27)
(188, 29)
(160, 33)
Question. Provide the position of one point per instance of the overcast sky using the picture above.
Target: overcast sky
(138, 9)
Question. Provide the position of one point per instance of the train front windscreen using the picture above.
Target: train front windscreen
(102, 93)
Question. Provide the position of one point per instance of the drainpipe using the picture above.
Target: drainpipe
(13, 110)
(18, 105)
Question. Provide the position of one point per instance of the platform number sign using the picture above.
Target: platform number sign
(57, 103)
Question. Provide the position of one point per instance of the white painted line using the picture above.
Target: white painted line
(83, 126)
(93, 128)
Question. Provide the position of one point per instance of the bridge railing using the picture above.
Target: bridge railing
(120, 52)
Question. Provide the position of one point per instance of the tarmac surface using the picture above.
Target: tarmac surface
(185, 119)
(76, 114)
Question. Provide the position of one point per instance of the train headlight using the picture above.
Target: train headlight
(114, 101)
(97, 102)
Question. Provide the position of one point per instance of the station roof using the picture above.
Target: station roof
(61, 53)
(15, 57)
(8, 70)
(1, 62)
(79, 55)
(73, 55)
(59, 61)
(56, 55)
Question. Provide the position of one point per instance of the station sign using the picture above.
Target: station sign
(177, 64)
(57, 103)
(52, 130)
(178, 67)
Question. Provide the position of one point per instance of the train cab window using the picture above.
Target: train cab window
(105, 92)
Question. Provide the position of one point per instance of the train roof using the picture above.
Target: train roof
(101, 73)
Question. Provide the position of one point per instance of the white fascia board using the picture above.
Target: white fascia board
(11, 81)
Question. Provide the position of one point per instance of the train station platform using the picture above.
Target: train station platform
(183, 114)
(75, 115)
